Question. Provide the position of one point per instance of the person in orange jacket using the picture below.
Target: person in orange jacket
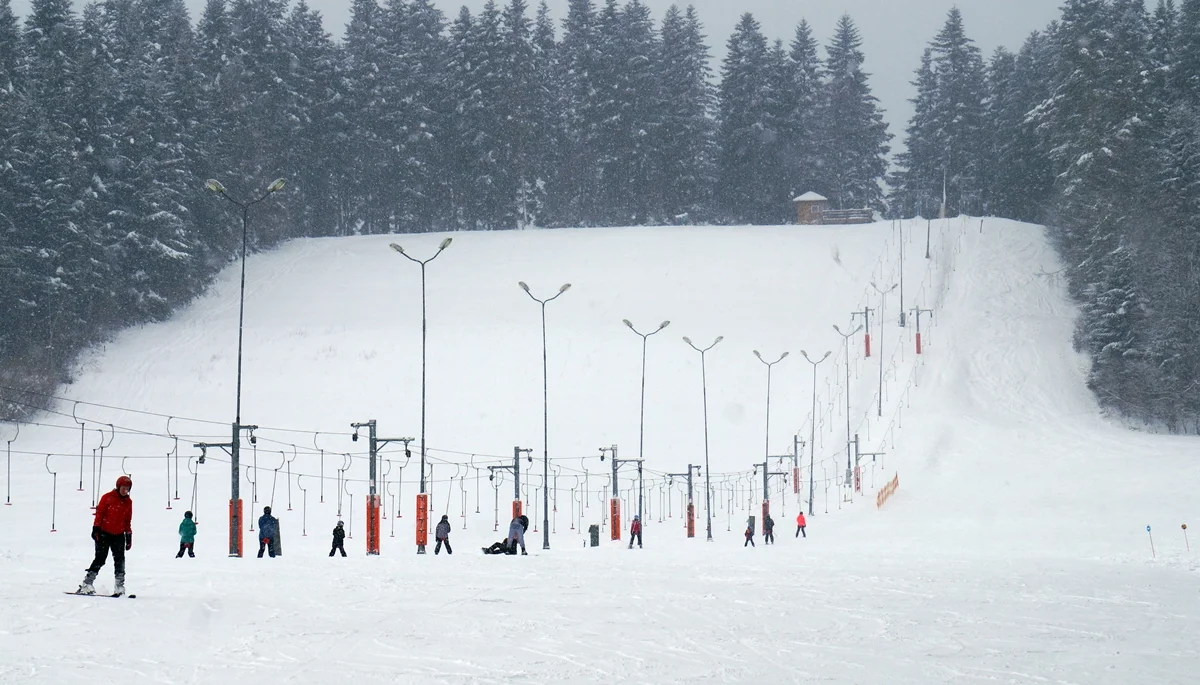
(800, 524)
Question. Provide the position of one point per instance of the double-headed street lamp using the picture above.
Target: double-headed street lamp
(704, 390)
(812, 440)
(767, 432)
(235, 502)
(545, 413)
(642, 413)
(422, 500)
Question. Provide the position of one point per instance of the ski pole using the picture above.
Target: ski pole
(1152, 555)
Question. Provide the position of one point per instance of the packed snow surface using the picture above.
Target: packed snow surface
(1015, 549)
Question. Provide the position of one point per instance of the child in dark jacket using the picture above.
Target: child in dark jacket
(442, 533)
(187, 535)
(339, 539)
(749, 536)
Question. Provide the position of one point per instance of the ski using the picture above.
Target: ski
(98, 594)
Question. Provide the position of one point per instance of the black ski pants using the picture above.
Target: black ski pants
(104, 543)
(438, 547)
(769, 537)
(264, 545)
(338, 546)
(749, 541)
(800, 531)
(639, 540)
(189, 546)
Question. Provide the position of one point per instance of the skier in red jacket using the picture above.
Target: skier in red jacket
(635, 531)
(800, 525)
(111, 530)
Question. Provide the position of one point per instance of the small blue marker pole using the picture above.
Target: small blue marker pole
(1152, 555)
(1185, 540)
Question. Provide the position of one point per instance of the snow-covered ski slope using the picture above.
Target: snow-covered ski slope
(1015, 549)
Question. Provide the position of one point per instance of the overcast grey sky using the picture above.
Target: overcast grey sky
(894, 31)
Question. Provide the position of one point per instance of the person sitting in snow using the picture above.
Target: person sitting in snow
(339, 539)
(516, 536)
(268, 528)
(187, 535)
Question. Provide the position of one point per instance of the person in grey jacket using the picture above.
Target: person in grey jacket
(516, 534)
(443, 535)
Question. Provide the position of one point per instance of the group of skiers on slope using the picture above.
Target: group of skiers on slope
(769, 529)
(112, 532)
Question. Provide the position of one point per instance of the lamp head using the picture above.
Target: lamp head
(445, 244)
(627, 323)
(491, 476)
(663, 325)
(687, 340)
(756, 354)
(783, 356)
(276, 185)
(397, 248)
(523, 285)
(719, 339)
(565, 287)
(214, 185)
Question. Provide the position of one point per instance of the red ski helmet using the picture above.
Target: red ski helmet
(125, 481)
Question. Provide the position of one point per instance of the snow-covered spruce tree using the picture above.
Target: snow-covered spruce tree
(261, 89)
(748, 162)
(57, 244)
(316, 159)
(572, 196)
(414, 114)
(630, 125)
(544, 124)
(525, 73)
(853, 134)
(14, 184)
(946, 138)
(1023, 177)
(364, 195)
(917, 184)
(151, 161)
(686, 157)
(799, 121)
(1096, 122)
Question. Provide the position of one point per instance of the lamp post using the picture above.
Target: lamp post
(846, 352)
(812, 441)
(642, 413)
(767, 438)
(545, 412)
(882, 300)
(704, 390)
(235, 502)
(422, 498)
